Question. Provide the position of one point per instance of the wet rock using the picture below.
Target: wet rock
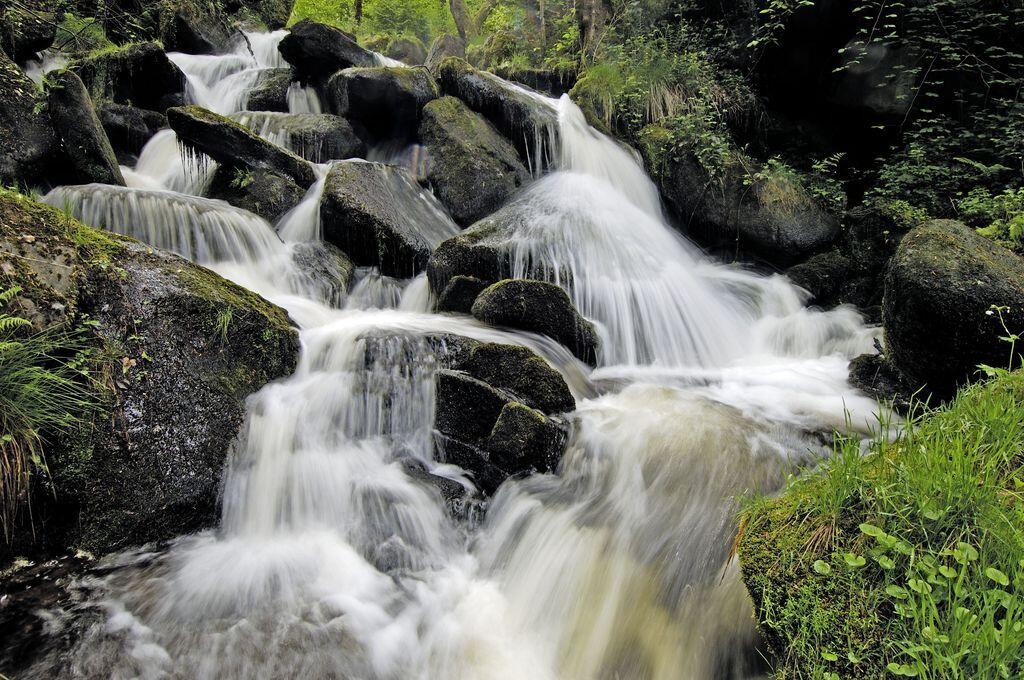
(406, 50)
(476, 253)
(83, 139)
(139, 74)
(23, 34)
(517, 114)
(460, 293)
(261, 192)
(379, 216)
(552, 82)
(937, 313)
(26, 133)
(520, 372)
(770, 217)
(456, 498)
(539, 307)
(129, 128)
(825, 276)
(387, 101)
(194, 29)
(317, 137)
(316, 50)
(461, 144)
(323, 262)
(486, 476)
(875, 376)
(467, 408)
(444, 46)
(523, 440)
(270, 92)
(185, 349)
(225, 141)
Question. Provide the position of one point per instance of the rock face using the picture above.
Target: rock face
(270, 93)
(387, 101)
(937, 312)
(26, 134)
(460, 294)
(520, 372)
(225, 141)
(514, 112)
(316, 50)
(261, 192)
(188, 29)
(773, 217)
(129, 128)
(539, 307)
(475, 254)
(444, 46)
(189, 347)
(463, 145)
(82, 137)
(317, 137)
(139, 74)
(407, 51)
(379, 216)
(23, 34)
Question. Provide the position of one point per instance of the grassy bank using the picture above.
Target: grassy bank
(907, 561)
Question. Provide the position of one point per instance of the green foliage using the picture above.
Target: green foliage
(997, 216)
(43, 391)
(906, 560)
(420, 19)
(77, 34)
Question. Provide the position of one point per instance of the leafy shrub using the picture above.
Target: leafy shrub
(997, 216)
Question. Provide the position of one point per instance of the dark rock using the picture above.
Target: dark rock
(472, 169)
(26, 134)
(939, 293)
(139, 75)
(487, 476)
(317, 137)
(520, 372)
(381, 217)
(261, 192)
(25, 33)
(539, 307)
(225, 141)
(455, 497)
(523, 440)
(84, 142)
(149, 464)
(471, 254)
(270, 93)
(460, 293)
(387, 101)
(467, 408)
(325, 264)
(553, 82)
(316, 50)
(129, 128)
(193, 29)
(774, 218)
(875, 376)
(273, 14)
(825, 276)
(517, 115)
(444, 46)
(406, 50)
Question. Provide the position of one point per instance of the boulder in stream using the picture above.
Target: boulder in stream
(139, 74)
(83, 139)
(460, 293)
(539, 307)
(387, 101)
(406, 50)
(259, 191)
(444, 46)
(379, 216)
(316, 50)
(225, 141)
(939, 312)
(23, 34)
(176, 351)
(317, 137)
(129, 128)
(472, 169)
(194, 29)
(270, 92)
(26, 133)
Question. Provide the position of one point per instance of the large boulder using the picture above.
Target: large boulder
(317, 137)
(182, 349)
(472, 169)
(521, 373)
(83, 139)
(270, 92)
(194, 28)
(129, 128)
(379, 216)
(444, 46)
(759, 213)
(25, 33)
(139, 74)
(519, 114)
(225, 141)
(261, 192)
(406, 50)
(948, 294)
(387, 101)
(26, 134)
(539, 307)
(317, 50)
(460, 293)
(552, 82)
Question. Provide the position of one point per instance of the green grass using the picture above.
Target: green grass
(904, 562)
(43, 392)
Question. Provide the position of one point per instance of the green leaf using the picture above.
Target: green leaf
(855, 561)
(822, 567)
(997, 576)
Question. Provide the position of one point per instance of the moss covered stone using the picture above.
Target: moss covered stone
(139, 74)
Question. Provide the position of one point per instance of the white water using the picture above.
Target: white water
(333, 561)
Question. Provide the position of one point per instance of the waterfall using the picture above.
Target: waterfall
(336, 559)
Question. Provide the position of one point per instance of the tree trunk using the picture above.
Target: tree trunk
(461, 16)
(358, 10)
(592, 16)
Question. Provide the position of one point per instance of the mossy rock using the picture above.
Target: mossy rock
(179, 348)
(27, 140)
(137, 74)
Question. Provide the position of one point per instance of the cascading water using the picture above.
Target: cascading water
(334, 559)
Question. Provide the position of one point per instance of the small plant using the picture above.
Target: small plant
(999, 217)
(223, 325)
